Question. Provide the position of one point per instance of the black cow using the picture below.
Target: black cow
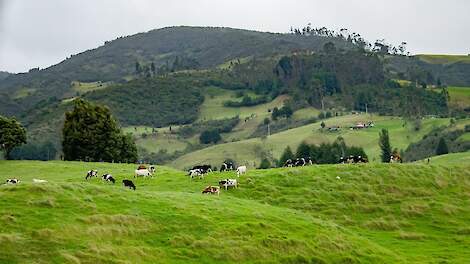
(108, 177)
(309, 161)
(128, 184)
(203, 168)
(227, 166)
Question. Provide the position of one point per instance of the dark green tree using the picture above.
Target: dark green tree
(329, 48)
(12, 134)
(303, 150)
(287, 154)
(138, 68)
(90, 133)
(384, 143)
(265, 164)
(209, 136)
(152, 68)
(442, 147)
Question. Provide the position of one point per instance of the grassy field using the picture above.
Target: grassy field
(247, 152)
(83, 87)
(452, 158)
(459, 96)
(376, 213)
(443, 59)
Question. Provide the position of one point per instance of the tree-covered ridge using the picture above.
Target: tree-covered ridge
(153, 102)
(116, 60)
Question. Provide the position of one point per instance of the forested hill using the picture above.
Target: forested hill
(3, 75)
(116, 60)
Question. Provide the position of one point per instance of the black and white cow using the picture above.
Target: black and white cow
(128, 184)
(228, 183)
(152, 169)
(196, 173)
(12, 181)
(309, 161)
(226, 166)
(203, 168)
(108, 177)
(289, 163)
(300, 162)
(91, 173)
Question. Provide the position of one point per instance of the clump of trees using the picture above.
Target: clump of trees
(285, 111)
(12, 134)
(210, 136)
(247, 101)
(90, 133)
(325, 153)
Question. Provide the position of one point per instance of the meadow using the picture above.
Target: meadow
(374, 213)
(249, 152)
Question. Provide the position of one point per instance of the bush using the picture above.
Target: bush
(209, 136)
(265, 164)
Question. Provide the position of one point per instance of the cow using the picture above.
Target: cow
(142, 167)
(300, 162)
(152, 169)
(289, 163)
(12, 181)
(360, 159)
(226, 166)
(143, 173)
(309, 161)
(241, 170)
(39, 181)
(91, 173)
(196, 173)
(228, 183)
(395, 158)
(211, 190)
(204, 168)
(342, 160)
(129, 184)
(108, 177)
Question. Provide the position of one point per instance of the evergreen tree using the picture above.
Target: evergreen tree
(209, 136)
(265, 164)
(90, 133)
(442, 147)
(152, 68)
(303, 150)
(12, 134)
(138, 68)
(384, 143)
(287, 154)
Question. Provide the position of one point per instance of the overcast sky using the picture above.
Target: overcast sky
(41, 33)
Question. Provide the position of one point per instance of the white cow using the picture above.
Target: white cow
(142, 173)
(39, 181)
(241, 170)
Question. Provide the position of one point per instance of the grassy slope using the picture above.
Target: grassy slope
(459, 96)
(373, 214)
(443, 59)
(247, 151)
(452, 158)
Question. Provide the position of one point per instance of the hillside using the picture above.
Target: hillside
(4, 75)
(371, 214)
(115, 60)
(251, 151)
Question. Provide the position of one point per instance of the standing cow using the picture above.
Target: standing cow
(241, 170)
(108, 178)
(142, 173)
(91, 173)
(228, 183)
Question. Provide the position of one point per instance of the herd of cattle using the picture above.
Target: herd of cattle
(200, 171)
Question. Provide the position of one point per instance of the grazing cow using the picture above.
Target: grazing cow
(142, 173)
(309, 161)
(129, 184)
(152, 169)
(241, 170)
(289, 163)
(300, 162)
(109, 178)
(196, 173)
(342, 160)
(12, 181)
(226, 166)
(228, 183)
(39, 181)
(91, 173)
(395, 159)
(204, 168)
(211, 190)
